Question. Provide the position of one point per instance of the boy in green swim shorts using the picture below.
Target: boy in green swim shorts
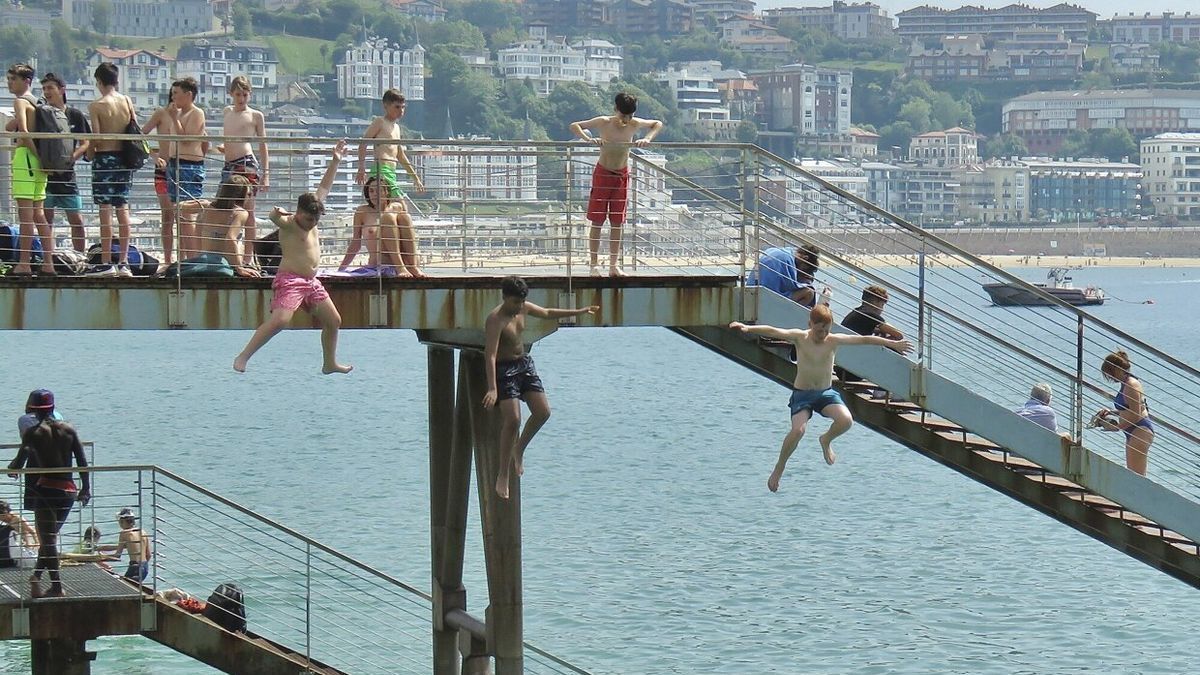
(387, 128)
(28, 179)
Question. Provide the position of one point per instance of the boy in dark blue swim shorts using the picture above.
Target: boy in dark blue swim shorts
(812, 390)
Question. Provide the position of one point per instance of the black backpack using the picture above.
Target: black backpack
(227, 608)
(269, 252)
(53, 153)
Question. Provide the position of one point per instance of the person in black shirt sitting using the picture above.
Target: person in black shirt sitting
(867, 319)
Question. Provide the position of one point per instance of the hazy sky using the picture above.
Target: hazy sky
(1105, 8)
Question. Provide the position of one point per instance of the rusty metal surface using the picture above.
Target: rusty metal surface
(1116, 528)
(97, 603)
(234, 653)
(439, 303)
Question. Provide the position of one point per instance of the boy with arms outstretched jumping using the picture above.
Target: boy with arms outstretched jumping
(296, 284)
(812, 390)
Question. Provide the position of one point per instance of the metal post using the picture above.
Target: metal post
(501, 522)
(632, 220)
(921, 337)
(756, 245)
(1077, 385)
(745, 221)
(569, 203)
(308, 603)
(462, 181)
(442, 414)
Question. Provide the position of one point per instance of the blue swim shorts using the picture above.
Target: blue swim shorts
(110, 179)
(71, 203)
(813, 400)
(185, 179)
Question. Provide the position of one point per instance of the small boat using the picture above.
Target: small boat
(1058, 284)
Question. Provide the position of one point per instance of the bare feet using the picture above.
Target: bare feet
(615, 271)
(773, 481)
(827, 449)
(417, 273)
(239, 364)
(593, 271)
(502, 486)
(335, 368)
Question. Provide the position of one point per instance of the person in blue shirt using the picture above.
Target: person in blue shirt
(1037, 409)
(789, 271)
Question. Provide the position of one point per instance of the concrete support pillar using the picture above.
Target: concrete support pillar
(61, 657)
(501, 521)
(442, 414)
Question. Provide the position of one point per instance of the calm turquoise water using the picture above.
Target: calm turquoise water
(651, 542)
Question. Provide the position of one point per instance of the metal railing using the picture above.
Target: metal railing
(308, 597)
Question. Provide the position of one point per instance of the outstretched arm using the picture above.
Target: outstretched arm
(554, 313)
(902, 346)
(331, 170)
(768, 331)
(491, 345)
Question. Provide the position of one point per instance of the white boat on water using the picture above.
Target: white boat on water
(1058, 284)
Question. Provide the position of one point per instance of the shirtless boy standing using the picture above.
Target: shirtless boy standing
(110, 179)
(813, 389)
(511, 375)
(387, 155)
(160, 123)
(185, 168)
(243, 121)
(296, 284)
(219, 223)
(610, 179)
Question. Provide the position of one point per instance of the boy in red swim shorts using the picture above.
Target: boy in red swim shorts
(296, 284)
(610, 180)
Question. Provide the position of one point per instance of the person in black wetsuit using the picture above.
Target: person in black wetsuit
(51, 444)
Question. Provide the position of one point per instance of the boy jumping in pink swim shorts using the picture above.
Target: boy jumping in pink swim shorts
(296, 284)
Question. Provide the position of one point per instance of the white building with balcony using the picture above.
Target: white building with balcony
(696, 93)
(145, 76)
(1171, 173)
(215, 62)
(373, 66)
(601, 61)
(143, 18)
(493, 173)
(544, 62)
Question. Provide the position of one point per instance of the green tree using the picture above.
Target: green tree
(101, 16)
(458, 34)
(243, 23)
(1096, 80)
(1115, 144)
(947, 111)
(1005, 145)
(917, 113)
(18, 44)
(570, 102)
(896, 135)
(746, 132)
(1077, 144)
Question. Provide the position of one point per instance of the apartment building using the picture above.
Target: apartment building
(1031, 53)
(721, 10)
(863, 144)
(1152, 28)
(601, 61)
(1133, 57)
(215, 62)
(425, 10)
(145, 76)
(1043, 119)
(929, 24)
(32, 18)
(1171, 173)
(808, 100)
(854, 21)
(144, 18)
(960, 57)
(951, 147)
(639, 19)
(375, 65)
(543, 61)
(994, 192)
(1081, 189)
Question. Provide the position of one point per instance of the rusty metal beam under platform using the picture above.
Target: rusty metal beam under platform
(436, 303)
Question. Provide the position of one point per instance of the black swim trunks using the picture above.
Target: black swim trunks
(516, 378)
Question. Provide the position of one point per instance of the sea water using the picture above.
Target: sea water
(651, 544)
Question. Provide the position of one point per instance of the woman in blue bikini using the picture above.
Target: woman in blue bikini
(1130, 415)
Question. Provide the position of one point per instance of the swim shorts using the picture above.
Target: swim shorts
(293, 291)
(185, 179)
(516, 378)
(62, 192)
(246, 166)
(28, 179)
(138, 571)
(160, 181)
(110, 179)
(610, 190)
(813, 400)
(386, 173)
